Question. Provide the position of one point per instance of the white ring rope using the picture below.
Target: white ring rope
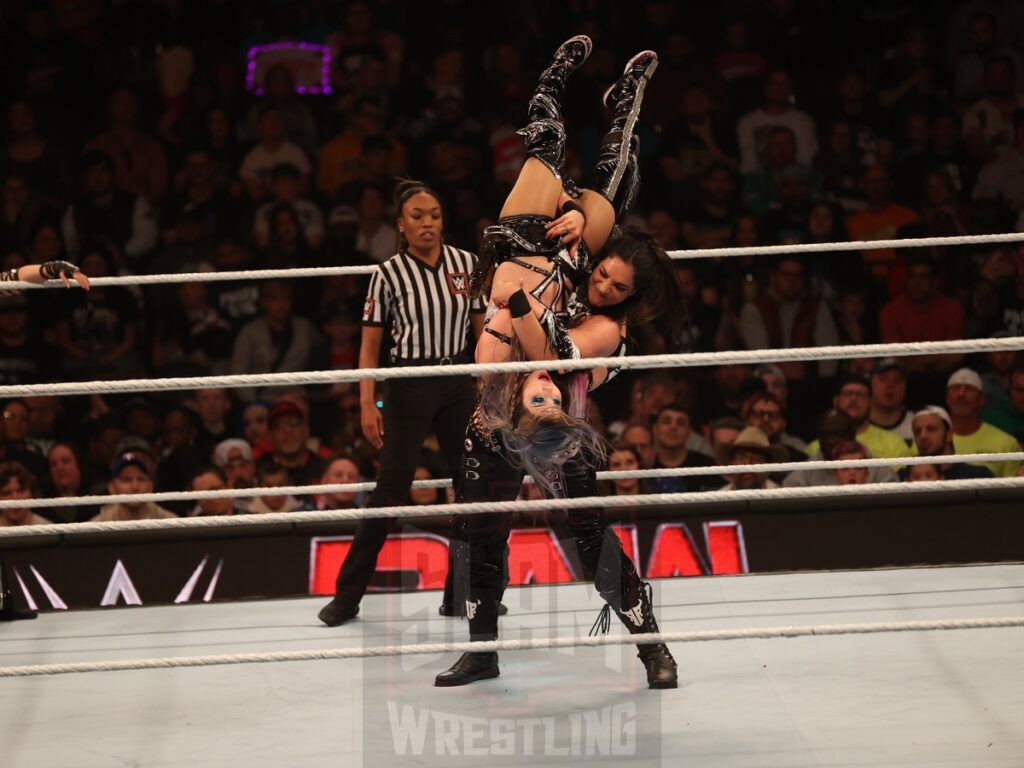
(209, 277)
(696, 253)
(637, 362)
(319, 490)
(766, 633)
(854, 245)
(539, 505)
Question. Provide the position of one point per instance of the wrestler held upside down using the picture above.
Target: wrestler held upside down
(550, 300)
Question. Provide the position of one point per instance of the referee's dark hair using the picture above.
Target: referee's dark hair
(406, 188)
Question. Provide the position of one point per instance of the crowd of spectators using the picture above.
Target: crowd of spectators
(156, 137)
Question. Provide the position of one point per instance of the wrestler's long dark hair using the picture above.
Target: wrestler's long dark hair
(656, 294)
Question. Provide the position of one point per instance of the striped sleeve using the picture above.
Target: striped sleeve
(378, 300)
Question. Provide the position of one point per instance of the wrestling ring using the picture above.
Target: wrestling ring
(898, 666)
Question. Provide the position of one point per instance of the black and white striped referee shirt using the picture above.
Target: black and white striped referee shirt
(427, 309)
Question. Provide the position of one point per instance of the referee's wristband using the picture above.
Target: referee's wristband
(519, 304)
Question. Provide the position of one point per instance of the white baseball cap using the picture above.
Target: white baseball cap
(222, 453)
(935, 410)
(965, 376)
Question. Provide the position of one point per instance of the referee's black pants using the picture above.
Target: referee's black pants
(413, 408)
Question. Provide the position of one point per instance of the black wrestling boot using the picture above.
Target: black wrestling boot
(661, 667)
(546, 102)
(545, 133)
(337, 612)
(8, 610)
(617, 175)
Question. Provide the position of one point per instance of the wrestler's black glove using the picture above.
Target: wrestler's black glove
(52, 270)
(519, 304)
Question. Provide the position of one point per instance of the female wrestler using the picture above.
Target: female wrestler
(634, 278)
(522, 425)
(549, 257)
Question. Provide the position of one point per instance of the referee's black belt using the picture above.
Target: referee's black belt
(456, 359)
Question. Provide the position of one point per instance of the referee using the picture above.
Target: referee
(421, 294)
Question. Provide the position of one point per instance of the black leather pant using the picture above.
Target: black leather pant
(488, 476)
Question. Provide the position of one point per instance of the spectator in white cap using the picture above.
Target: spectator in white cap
(933, 436)
(965, 399)
(234, 457)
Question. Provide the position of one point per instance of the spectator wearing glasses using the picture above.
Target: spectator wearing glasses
(774, 381)
(764, 411)
(853, 397)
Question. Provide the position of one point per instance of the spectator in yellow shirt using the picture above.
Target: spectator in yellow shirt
(853, 397)
(965, 399)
